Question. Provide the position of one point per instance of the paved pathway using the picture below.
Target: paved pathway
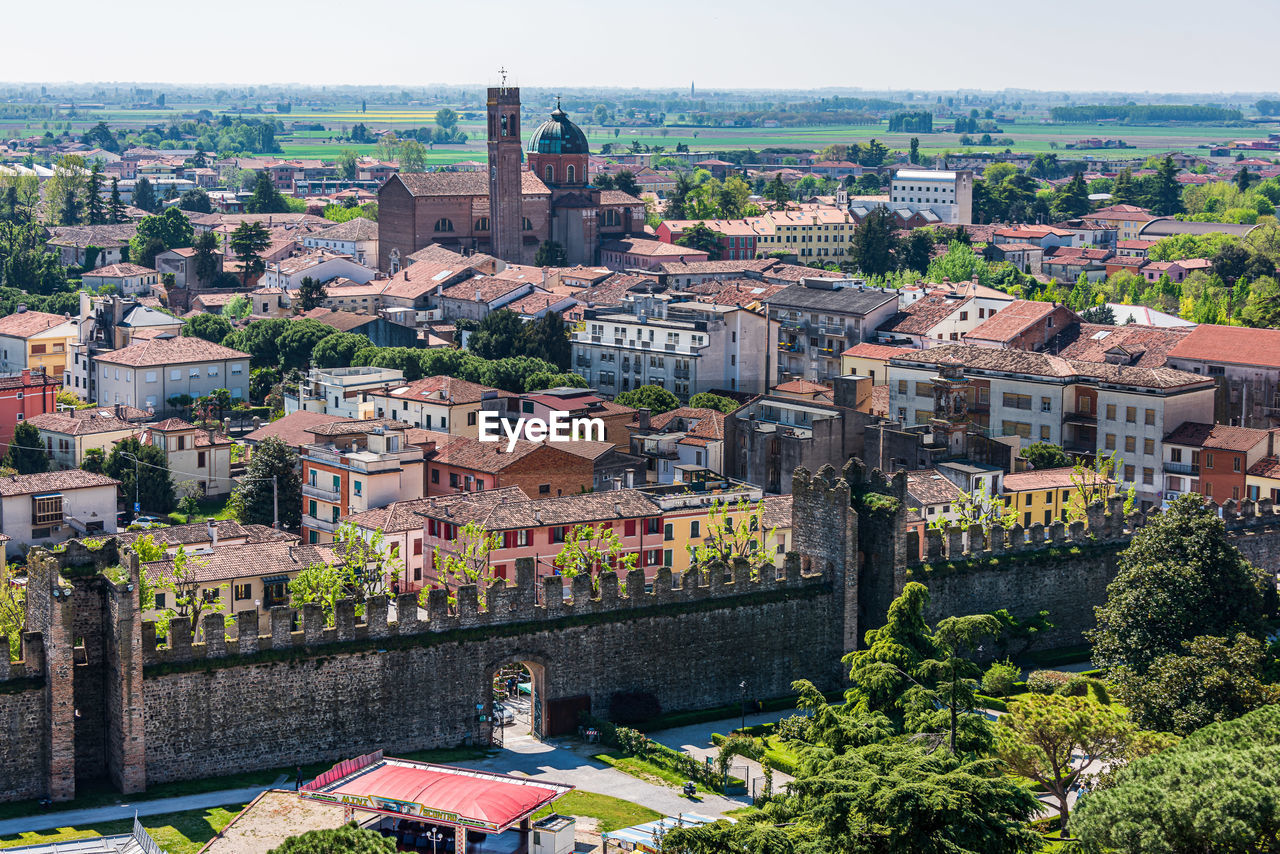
(115, 812)
(568, 761)
(695, 740)
(562, 760)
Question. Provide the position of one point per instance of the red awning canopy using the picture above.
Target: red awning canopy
(440, 793)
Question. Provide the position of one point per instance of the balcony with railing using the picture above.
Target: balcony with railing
(789, 346)
(1182, 468)
(326, 525)
(322, 493)
(836, 330)
(792, 322)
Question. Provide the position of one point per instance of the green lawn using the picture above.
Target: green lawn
(176, 833)
(643, 769)
(210, 508)
(104, 795)
(611, 813)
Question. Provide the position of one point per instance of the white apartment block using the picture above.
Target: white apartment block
(684, 347)
(339, 391)
(1085, 407)
(150, 373)
(947, 194)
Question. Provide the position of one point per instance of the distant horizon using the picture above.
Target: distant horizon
(700, 91)
(1099, 47)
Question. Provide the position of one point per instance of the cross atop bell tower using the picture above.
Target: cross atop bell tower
(506, 208)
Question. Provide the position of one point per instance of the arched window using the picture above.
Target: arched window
(551, 174)
(570, 174)
(482, 224)
(528, 225)
(444, 224)
(610, 216)
(504, 125)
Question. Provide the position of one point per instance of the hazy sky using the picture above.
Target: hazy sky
(1129, 45)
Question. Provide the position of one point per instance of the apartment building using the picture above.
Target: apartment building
(939, 318)
(538, 529)
(1126, 220)
(24, 395)
(440, 403)
(1213, 460)
(67, 436)
(1244, 364)
(1022, 325)
(401, 525)
(541, 469)
(239, 576)
(813, 232)
(151, 373)
(353, 466)
(947, 194)
(340, 391)
(1086, 407)
(683, 439)
(34, 340)
(199, 460)
(50, 507)
(683, 346)
(1045, 496)
(813, 323)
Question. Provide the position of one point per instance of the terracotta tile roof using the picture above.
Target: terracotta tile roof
(442, 389)
(873, 351)
(739, 292)
(585, 508)
(1059, 478)
(1045, 365)
(24, 324)
(170, 350)
(353, 426)
(927, 487)
(923, 315)
(344, 321)
(198, 533)
(482, 289)
(802, 387)
(613, 290)
(408, 515)
(463, 183)
(702, 268)
(1266, 467)
(52, 481)
(255, 560)
(80, 236)
(776, 512)
(542, 300)
(34, 380)
(1238, 345)
(489, 457)
(355, 229)
(56, 422)
(695, 421)
(1012, 321)
(790, 273)
(649, 248)
(294, 428)
(426, 275)
(119, 270)
(1216, 436)
(617, 197)
(1142, 346)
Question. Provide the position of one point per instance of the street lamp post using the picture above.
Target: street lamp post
(743, 687)
(434, 835)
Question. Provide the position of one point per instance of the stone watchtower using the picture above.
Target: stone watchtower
(506, 210)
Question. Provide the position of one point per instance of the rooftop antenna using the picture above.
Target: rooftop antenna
(503, 72)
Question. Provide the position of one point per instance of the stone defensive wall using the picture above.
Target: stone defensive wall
(98, 696)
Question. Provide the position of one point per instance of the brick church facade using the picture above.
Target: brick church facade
(512, 210)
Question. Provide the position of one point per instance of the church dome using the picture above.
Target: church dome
(558, 135)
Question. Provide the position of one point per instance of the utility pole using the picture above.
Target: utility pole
(275, 504)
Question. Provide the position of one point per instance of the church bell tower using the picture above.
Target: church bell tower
(506, 213)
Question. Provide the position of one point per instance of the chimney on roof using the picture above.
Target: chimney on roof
(213, 534)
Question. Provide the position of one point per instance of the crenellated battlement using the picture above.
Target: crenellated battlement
(527, 603)
(1107, 523)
